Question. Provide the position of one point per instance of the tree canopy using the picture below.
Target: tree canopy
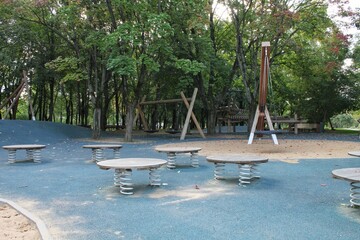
(92, 62)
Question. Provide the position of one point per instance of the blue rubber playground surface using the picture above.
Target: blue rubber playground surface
(77, 200)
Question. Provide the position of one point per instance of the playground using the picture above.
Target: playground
(296, 197)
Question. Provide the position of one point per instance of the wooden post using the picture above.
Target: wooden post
(264, 76)
(15, 100)
(193, 117)
(261, 109)
(27, 86)
(12, 95)
(142, 115)
(187, 120)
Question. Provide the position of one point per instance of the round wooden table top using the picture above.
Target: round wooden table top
(354, 153)
(103, 146)
(237, 159)
(177, 149)
(348, 174)
(128, 163)
(24, 146)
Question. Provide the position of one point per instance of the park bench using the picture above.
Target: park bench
(308, 127)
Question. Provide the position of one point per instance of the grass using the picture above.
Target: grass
(343, 131)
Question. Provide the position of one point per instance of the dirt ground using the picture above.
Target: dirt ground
(15, 226)
(288, 150)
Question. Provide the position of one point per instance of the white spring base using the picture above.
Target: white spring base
(154, 177)
(116, 153)
(122, 178)
(194, 159)
(99, 155)
(247, 173)
(171, 164)
(355, 194)
(31, 155)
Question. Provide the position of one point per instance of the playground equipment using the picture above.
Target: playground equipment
(188, 105)
(14, 97)
(261, 109)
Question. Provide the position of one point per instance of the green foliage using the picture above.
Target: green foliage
(189, 67)
(78, 52)
(344, 121)
(123, 65)
(68, 67)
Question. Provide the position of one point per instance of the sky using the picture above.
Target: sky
(353, 4)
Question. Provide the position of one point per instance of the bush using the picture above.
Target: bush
(344, 121)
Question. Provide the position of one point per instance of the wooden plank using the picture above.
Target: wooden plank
(163, 101)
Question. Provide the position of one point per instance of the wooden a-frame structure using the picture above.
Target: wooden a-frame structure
(190, 113)
(261, 109)
(14, 97)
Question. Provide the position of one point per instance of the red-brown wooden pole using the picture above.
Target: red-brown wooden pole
(264, 75)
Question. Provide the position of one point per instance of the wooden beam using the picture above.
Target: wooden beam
(14, 101)
(192, 115)
(187, 120)
(13, 94)
(142, 115)
(162, 101)
(27, 86)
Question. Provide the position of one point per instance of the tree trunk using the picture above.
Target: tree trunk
(211, 121)
(97, 123)
(129, 122)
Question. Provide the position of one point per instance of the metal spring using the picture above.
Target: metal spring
(219, 172)
(117, 175)
(116, 153)
(93, 158)
(194, 159)
(36, 155)
(355, 194)
(29, 154)
(154, 177)
(99, 155)
(11, 155)
(254, 172)
(171, 160)
(245, 174)
(125, 182)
